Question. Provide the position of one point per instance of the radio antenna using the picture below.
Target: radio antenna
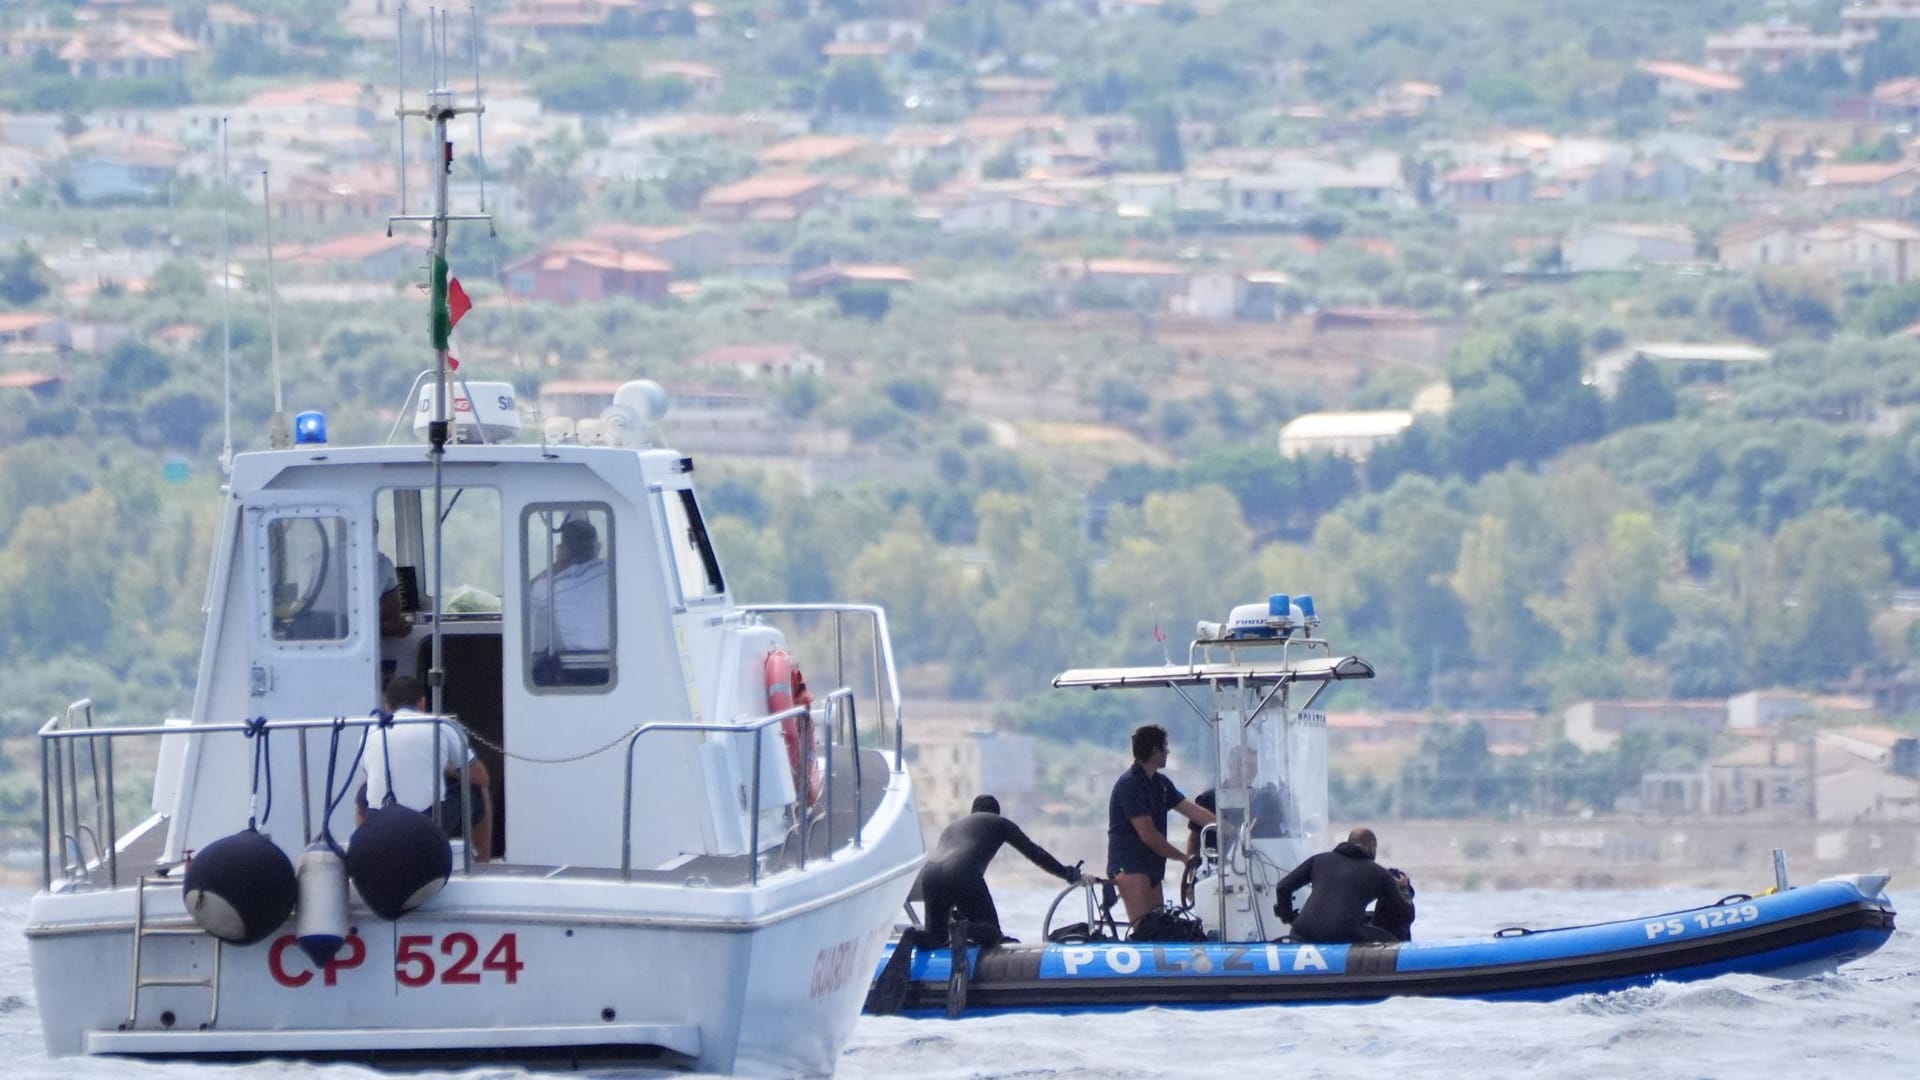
(226, 312)
(277, 435)
(440, 109)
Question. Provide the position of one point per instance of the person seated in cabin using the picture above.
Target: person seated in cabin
(405, 755)
(569, 608)
(322, 580)
(1345, 880)
(394, 622)
(1243, 766)
(1137, 844)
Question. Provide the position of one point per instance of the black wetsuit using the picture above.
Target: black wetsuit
(955, 875)
(1345, 880)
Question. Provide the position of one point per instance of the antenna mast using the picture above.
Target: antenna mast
(226, 312)
(277, 435)
(441, 107)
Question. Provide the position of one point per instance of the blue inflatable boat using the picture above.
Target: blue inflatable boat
(1789, 934)
(1254, 681)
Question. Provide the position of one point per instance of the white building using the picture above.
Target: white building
(1348, 434)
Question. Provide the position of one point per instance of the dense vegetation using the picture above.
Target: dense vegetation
(1537, 545)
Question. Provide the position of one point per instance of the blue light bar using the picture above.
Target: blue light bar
(310, 428)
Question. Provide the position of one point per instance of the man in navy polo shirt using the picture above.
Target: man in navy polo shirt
(1137, 844)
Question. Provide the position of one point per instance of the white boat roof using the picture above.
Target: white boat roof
(1268, 670)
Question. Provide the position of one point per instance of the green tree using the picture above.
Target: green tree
(24, 279)
(1643, 397)
(1160, 126)
(856, 88)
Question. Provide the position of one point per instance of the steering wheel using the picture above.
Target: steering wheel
(1189, 877)
(1099, 924)
(303, 602)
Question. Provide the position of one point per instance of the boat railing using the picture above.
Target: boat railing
(839, 712)
(65, 813)
(885, 683)
(1200, 650)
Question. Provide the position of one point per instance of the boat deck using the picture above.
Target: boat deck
(832, 826)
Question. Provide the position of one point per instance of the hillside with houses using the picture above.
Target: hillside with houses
(1567, 353)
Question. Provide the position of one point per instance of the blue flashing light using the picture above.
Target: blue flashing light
(310, 428)
(1279, 606)
(1305, 603)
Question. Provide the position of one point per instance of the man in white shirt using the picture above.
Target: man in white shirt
(569, 602)
(406, 754)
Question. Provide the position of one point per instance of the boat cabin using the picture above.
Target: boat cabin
(575, 595)
(1253, 681)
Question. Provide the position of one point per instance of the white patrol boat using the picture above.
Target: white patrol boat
(694, 863)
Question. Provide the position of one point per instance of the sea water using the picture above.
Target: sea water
(1860, 1024)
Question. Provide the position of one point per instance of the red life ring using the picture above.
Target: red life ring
(787, 687)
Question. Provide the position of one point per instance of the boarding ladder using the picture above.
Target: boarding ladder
(142, 980)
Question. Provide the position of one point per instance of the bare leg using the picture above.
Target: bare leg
(483, 832)
(1139, 893)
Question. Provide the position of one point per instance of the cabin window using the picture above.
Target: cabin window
(309, 584)
(696, 567)
(567, 562)
(470, 539)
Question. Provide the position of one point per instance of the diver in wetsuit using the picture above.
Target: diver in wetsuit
(953, 887)
(1345, 880)
(955, 877)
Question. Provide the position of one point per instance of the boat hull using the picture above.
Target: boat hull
(496, 969)
(1788, 934)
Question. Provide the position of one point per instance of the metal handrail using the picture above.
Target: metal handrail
(833, 702)
(883, 662)
(56, 763)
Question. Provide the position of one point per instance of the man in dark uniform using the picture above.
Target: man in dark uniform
(1345, 880)
(1137, 844)
(959, 907)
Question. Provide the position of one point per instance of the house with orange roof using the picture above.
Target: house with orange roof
(1874, 250)
(1480, 186)
(108, 166)
(31, 328)
(835, 276)
(326, 103)
(690, 249)
(1889, 183)
(764, 198)
(1013, 95)
(1101, 282)
(1690, 86)
(121, 50)
(783, 360)
(1895, 101)
(41, 384)
(370, 255)
(577, 272)
(812, 151)
(322, 199)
